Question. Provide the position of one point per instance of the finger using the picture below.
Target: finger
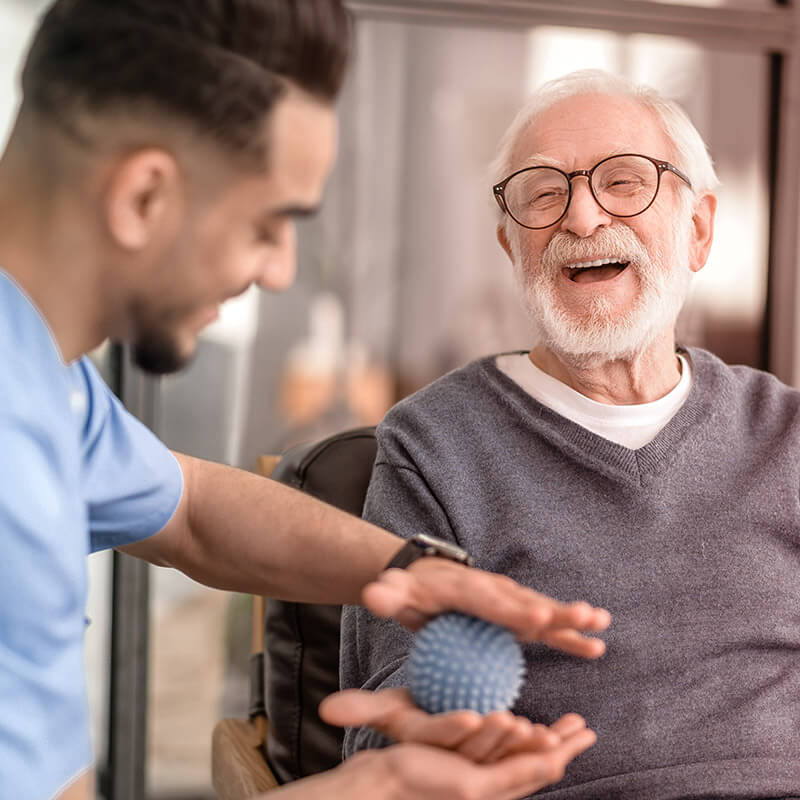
(572, 642)
(581, 616)
(520, 775)
(601, 620)
(432, 585)
(446, 731)
(568, 725)
(527, 737)
(577, 617)
(495, 730)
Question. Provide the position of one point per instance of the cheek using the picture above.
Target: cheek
(231, 258)
(660, 249)
(197, 259)
(528, 247)
(657, 231)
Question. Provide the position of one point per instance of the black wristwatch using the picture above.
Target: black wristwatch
(421, 545)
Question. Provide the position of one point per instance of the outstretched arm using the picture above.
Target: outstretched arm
(238, 531)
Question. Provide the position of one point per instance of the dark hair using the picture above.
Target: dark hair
(219, 65)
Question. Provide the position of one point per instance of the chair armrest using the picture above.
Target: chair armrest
(238, 767)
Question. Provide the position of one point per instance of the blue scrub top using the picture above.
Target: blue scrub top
(78, 474)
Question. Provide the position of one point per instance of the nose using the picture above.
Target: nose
(584, 216)
(280, 263)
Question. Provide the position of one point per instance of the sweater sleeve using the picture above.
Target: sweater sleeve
(374, 651)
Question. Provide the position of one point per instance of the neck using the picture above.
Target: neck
(46, 245)
(641, 378)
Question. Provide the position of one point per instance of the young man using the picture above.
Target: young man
(162, 151)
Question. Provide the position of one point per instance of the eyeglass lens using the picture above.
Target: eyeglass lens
(622, 185)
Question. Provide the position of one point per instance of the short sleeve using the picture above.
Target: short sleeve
(44, 718)
(132, 484)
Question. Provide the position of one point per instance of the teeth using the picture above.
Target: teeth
(597, 263)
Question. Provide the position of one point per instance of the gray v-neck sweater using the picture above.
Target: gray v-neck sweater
(691, 541)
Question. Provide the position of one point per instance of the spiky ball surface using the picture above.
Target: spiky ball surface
(461, 662)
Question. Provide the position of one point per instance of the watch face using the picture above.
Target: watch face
(421, 545)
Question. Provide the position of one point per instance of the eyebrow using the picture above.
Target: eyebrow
(540, 160)
(293, 211)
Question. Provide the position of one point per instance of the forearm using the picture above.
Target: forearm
(365, 777)
(238, 531)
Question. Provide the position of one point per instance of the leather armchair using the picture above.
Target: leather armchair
(298, 664)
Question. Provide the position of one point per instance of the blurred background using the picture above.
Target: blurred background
(401, 279)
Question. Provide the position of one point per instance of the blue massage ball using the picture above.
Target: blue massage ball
(461, 662)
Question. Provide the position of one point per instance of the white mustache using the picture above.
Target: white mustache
(617, 241)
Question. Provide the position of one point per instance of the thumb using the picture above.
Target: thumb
(391, 595)
(387, 594)
(354, 707)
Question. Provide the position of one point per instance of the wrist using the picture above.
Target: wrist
(422, 545)
(364, 776)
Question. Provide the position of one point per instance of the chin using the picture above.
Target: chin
(161, 354)
(602, 333)
(582, 344)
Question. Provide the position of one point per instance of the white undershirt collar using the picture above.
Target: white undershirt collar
(629, 425)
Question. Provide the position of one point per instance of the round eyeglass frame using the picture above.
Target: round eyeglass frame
(660, 165)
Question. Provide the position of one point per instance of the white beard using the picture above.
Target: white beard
(601, 332)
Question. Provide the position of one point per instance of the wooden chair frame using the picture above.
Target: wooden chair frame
(239, 767)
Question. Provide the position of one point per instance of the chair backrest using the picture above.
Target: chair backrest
(301, 641)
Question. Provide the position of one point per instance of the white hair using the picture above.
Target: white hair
(690, 153)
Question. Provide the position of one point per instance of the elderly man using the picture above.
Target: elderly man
(607, 463)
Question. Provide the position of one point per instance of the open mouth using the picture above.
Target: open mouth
(601, 269)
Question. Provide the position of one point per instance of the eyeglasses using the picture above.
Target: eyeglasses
(623, 186)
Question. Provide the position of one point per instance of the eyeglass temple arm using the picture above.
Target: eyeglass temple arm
(665, 165)
(498, 195)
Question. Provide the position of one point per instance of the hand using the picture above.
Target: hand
(482, 739)
(431, 586)
(427, 773)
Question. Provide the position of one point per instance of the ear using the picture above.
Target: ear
(142, 196)
(702, 231)
(502, 237)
